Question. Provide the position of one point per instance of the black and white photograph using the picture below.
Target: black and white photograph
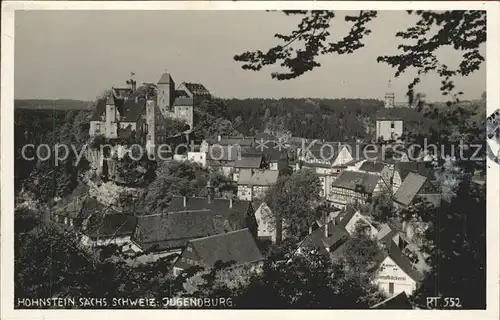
(290, 157)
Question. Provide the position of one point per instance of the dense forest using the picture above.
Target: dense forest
(329, 119)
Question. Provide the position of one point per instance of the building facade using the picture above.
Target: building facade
(389, 129)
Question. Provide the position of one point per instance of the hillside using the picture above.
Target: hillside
(58, 104)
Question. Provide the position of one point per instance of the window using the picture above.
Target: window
(391, 287)
(98, 127)
(392, 124)
(189, 249)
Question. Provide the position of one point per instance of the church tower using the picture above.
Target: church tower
(389, 98)
(166, 94)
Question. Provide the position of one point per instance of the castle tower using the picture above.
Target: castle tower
(389, 97)
(166, 93)
(111, 125)
(151, 126)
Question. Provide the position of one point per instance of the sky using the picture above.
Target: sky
(79, 54)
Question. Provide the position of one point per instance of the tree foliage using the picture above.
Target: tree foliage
(50, 262)
(299, 50)
(293, 200)
(287, 281)
(456, 245)
(177, 178)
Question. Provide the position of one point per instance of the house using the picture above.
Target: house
(274, 153)
(255, 162)
(350, 218)
(241, 144)
(166, 233)
(352, 187)
(413, 186)
(389, 234)
(389, 128)
(336, 155)
(73, 210)
(325, 173)
(386, 171)
(253, 184)
(111, 229)
(227, 214)
(265, 230)
(325, 239)
(402, 169)
(395, 273)
(397, 301)
(373, 167)
(197, 157)
(238, 246)
(223, 158)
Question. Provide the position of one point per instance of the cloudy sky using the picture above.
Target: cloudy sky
(78, 54)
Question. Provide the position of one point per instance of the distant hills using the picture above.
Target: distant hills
(59, 104)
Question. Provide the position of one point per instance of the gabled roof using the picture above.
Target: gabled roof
(336, 236)
(130, 110)
(222, 153)
(231, 142)
(197, 89)
(100, 110)
(422, 168)
(409, 188)
(324, 151)
(398, 257)
(386, 233)
(345, 216)
(249, 162)
(356, 181)
(181, 94)
(238, 246)
(183, 101)
(165, 78)
(398, 301)
(257, 177)
(272, 151)
(235, 214)
(371, 166)
(111, 225)
(173, 229)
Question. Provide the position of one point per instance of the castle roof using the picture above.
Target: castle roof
(197, 89)
(165, 78)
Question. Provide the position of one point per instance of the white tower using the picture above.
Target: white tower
(389, 97)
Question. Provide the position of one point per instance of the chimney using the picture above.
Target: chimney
(310, 229)
(133, 85)
(230, 202)
(326, 230)
(219, 138)
(136, 99)
(184, 201)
